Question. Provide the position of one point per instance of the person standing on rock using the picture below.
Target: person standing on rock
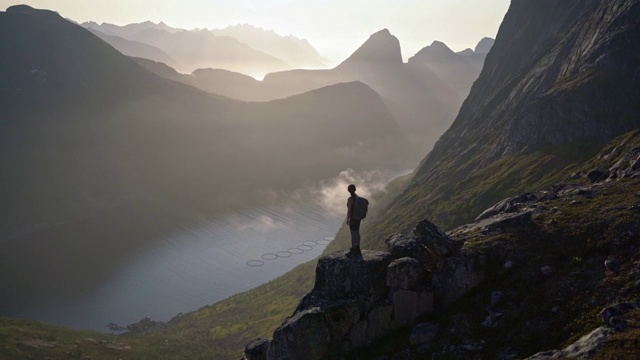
(356, 212)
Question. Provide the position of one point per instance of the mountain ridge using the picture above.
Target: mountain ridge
(412, 91)
(290, 51)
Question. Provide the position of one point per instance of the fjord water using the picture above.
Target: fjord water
(174, 272)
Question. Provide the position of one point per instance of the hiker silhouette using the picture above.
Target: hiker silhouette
(356, 212)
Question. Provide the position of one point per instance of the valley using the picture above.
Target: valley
(503, 184)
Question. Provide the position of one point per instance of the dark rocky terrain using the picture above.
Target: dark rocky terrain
(537, 270)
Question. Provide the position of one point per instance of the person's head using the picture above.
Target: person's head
(351, 188)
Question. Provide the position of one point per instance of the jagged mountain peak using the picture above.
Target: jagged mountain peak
(381, 48)
(437, 52)
(484, 45)
(437, 48)
(466, 52)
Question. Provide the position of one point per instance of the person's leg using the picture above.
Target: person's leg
(354, 226)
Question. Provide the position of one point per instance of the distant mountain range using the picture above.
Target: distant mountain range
(242, 48)
(424, 94)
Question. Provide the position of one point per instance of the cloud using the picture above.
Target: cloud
(332, 194)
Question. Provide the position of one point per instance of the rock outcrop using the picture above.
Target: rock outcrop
(356, 301)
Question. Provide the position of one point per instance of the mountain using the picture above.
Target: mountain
(136, 49)
(197, 49)
(129, 29)
(456, 70)
(537, 182)
(102, 155)
(423, 101)
(553, 257)
(292, 50)
(542, 102)
(484, 46)
(382, 48)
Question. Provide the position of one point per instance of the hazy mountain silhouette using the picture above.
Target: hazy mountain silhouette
(457, 71)
(201, 49)
(298, 53)
(99, 151)
(423, 101)
(216, 81)
(136, 49)
(382, 48)
(260, 50)
(484, 46)
(127, 30)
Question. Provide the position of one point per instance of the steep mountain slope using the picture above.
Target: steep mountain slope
(100, 156)
(455, 70)
(560, 81)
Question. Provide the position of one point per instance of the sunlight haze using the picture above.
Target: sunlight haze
(334, 28)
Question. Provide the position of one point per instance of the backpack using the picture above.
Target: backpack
(360, 207)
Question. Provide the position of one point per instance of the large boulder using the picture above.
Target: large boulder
(437, 242)
(430, 245)
(256, 349)
(375, 325)
(408, 305)
(345, 309)
(456, 276)
(305, 335)
(341, 278)
(405, 273)
(401, 246)
(508, 205)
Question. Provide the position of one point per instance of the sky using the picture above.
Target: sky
(336, 28)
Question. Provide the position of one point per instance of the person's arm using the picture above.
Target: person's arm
(349, 209)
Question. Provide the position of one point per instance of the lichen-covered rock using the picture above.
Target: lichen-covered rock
(438, 243)
(430, 244)
(508, 205)
(343, 311)
(305, 335)
(611, 315)
(456, 276)
(256, 349)
(340, 320)
(598, 175)
(424, 334)
(409, 305)
(375, 325)
(401, 246)
(506, 221)
(340, 278)
(405, 273)
(581, 349)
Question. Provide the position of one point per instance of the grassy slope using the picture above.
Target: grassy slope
(547, 312)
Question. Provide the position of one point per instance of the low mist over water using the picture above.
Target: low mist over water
(198, 265)
(180, 269)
